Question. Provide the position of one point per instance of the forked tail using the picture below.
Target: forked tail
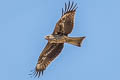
(77, 41)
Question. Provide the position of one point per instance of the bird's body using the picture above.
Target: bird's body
(65, 39)
(57, 39)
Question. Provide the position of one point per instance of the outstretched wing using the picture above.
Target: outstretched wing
(50, 52)
(65, 25)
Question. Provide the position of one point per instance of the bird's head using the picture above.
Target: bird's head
(49, 37)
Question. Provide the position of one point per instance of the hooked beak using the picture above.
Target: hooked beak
(46, 37)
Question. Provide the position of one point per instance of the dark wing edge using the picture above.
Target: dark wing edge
(50, 52)
(69, 8)
(65, 25)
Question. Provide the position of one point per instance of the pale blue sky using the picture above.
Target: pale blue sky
(24, 23)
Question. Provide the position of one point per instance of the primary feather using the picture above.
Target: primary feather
(65, 25)
(50, 52)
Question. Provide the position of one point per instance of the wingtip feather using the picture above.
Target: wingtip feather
(69, 8)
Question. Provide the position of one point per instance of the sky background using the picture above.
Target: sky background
(24, 23)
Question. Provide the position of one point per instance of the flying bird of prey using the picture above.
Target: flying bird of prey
(57, 39)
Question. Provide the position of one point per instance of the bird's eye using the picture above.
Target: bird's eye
(48, 37)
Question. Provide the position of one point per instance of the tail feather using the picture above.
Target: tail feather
(77, 41)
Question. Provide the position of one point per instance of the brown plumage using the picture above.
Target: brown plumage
(50, 52)
(57, 39)
(65, 25)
